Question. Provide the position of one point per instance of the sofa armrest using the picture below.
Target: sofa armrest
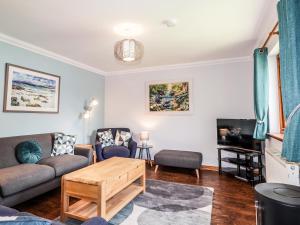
(84, 151)
(95, 221)
(132, 146)
(99, 149)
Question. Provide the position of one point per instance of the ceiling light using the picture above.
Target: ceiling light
(128, 50)
(128, 29)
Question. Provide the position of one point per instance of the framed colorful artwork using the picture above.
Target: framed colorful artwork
(174, 96)
(28, 90)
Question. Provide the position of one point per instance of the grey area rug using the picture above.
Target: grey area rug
(166, 203)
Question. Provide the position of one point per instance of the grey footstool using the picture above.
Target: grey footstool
(175, 158)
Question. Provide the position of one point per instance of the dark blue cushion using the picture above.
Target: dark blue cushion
(25, 220)
(28, 152)
(115, 151)
(5, 211)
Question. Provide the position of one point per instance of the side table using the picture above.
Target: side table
(141, 149)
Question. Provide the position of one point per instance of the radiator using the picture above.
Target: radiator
(279, 170)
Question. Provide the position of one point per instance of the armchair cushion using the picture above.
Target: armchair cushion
(118, 151)
(122, 138)
(105, 138)
(114, 150)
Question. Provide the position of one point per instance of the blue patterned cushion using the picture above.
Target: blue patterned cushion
(63, 144)
(28, 152)
(122, 138)
(106, 138)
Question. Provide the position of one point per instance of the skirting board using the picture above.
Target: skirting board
(210, 168)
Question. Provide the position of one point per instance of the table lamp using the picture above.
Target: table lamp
(144, 137)
(224, 132)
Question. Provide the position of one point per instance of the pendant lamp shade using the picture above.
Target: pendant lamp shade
(128, 50)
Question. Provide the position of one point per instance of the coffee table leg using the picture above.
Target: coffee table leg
(101, 203)
(65, 201)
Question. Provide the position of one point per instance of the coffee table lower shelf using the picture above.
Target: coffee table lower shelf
(84, 209)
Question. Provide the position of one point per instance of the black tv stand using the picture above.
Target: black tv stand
(248, 162)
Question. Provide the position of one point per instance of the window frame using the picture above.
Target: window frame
(282, 119)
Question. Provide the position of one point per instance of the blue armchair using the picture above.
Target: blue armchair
(112, 151)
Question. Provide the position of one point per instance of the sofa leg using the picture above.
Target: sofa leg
(197, 173)
(156, 168)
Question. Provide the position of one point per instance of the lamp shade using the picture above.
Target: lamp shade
(144, 136)
(93, 102)
(128, 50)
(223, 131)
(86, 115)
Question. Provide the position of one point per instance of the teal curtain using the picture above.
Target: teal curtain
(261, 93)
(289, 37)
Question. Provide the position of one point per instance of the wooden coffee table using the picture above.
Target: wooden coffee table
(103, 188)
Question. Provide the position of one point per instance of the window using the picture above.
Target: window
(282, 119)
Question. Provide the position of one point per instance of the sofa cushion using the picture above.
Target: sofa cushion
(63, 164)
(63, 144)
(115, 151)
(28, 152)
(21, 177)
(8, 145)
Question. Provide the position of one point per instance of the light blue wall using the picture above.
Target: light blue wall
(77, 86)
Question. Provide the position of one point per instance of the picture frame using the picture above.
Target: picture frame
(161, 97)
(30, 91)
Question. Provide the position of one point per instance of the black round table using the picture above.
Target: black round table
(145, 148)
(277, 204)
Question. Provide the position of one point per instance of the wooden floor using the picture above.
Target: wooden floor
(233, 199)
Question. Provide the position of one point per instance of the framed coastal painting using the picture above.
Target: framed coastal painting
(28, 90)
(170, 96)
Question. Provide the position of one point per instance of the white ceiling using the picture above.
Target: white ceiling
(82, 30)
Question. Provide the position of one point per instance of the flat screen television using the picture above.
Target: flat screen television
(237, 133)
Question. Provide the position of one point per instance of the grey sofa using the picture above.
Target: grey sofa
(20, 182)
